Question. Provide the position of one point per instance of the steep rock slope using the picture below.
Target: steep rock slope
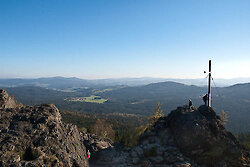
(36, 136)
(190, 138)
(200, 135)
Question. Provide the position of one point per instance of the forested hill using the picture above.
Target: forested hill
(62, 83)
(142, 99)
(157, 90)
(240, 91)
(235, 100)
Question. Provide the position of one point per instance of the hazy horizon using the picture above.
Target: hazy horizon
(143, 77)
(220, 81)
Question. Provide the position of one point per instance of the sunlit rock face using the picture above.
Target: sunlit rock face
(6, 101)
(36, 136)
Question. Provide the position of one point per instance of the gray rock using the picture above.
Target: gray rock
(139, 151)
(135, 160)
(162, 165)
(32, 142)
(156, 160)
(170, 158)
(160, 150)
(7, 101)
(186, 164)
(201, 136)
(146, 163)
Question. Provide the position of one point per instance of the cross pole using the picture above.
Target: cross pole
(209, 85)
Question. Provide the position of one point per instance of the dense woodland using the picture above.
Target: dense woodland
(124, 129)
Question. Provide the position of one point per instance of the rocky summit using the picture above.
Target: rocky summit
(200, 135)
(190, 138)
(36, 136)
(7, 101)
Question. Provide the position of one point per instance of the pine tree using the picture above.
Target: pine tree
(157, 114)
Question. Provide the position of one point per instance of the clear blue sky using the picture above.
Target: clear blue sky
(124, 38)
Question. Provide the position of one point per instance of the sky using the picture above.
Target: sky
(131, 38)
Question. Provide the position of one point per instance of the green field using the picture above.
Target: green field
(90, 99)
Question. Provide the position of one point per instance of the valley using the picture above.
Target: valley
(141, 100)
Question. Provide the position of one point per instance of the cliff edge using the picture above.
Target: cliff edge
(190, 138)
(36, 136)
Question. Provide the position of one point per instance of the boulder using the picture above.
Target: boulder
(7, 101)
(200, 135)
(36, 136)
(104, 153)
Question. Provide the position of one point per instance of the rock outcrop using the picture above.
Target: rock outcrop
(201, 136)
(189, 138)
(6, 101)
(36, 136)
(103, 152)
(93, 143)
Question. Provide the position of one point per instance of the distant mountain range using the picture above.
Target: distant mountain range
(139, 99)
(61, 83)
